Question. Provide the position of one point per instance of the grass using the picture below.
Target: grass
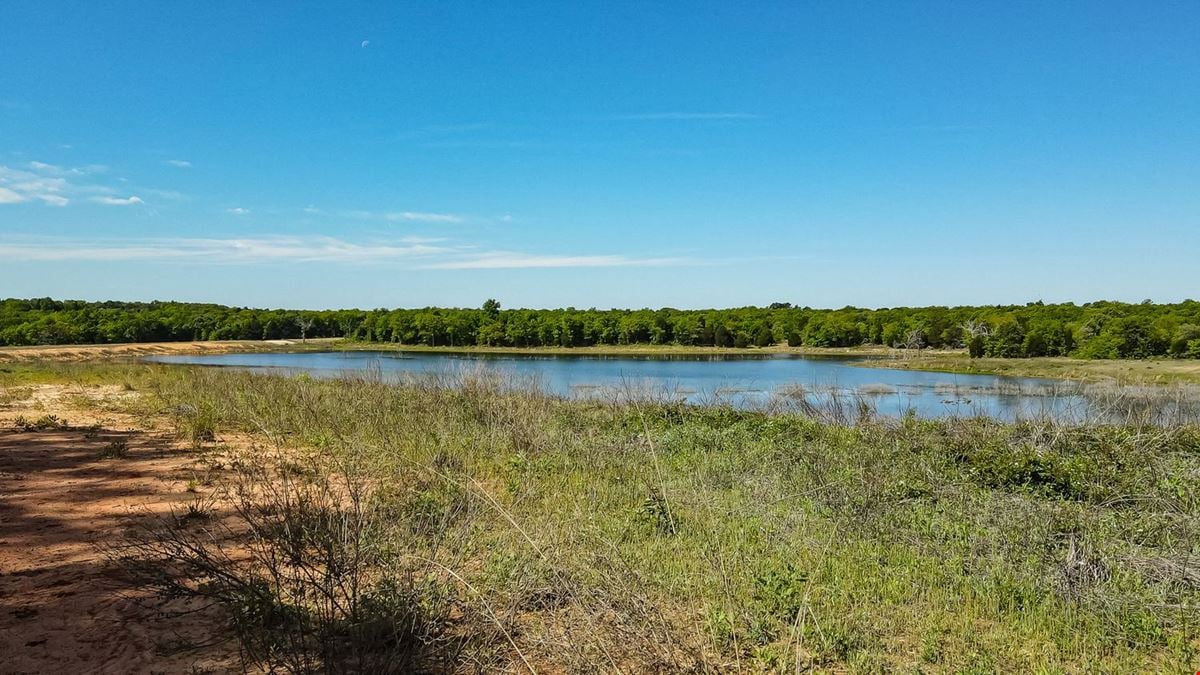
(1150, 371)
(485, 528)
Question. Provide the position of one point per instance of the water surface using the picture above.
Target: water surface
(744, 381)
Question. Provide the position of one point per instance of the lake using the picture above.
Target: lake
(751, 381)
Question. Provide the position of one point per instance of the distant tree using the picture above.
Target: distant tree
(722, 336)
(976, 346)
(1181, 341)
(763, 336)
(306, 324)
(1007, 340)
(914, 339)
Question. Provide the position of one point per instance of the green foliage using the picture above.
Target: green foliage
(1007, 339)
(43, 423)
(1092, 330)
(976, 346)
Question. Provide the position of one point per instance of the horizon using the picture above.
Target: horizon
(689, 156)
(632, 308)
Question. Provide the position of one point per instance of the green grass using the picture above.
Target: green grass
(580, 536)
(1122, 371)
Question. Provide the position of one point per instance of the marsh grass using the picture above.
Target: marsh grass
(511, 529)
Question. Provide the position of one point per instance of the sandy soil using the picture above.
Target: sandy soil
(86, 352)
(63, 608)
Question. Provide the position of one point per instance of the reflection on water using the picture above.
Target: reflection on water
(771, 382)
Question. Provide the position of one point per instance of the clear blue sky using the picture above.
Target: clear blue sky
(600, 154)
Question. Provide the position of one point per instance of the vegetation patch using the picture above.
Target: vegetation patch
(475, 525)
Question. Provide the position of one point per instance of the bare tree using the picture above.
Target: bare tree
(305, 324)
(914, 339)
(973, 328)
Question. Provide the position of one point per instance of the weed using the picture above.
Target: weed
(118, 448)
(469, 524)
(43, 423)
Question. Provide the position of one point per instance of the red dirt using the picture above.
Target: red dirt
(89, 352)
(63, 607)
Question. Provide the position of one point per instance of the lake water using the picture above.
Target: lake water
(777, 380)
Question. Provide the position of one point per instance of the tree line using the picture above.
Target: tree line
(1091, 330)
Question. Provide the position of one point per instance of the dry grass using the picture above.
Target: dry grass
(1148, 372)
(522, 532)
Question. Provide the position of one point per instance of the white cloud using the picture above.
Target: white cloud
(56, 170)
(414, 252)
(238, 211)
(20, 185)
(240, 250)
(419, 217)
(56, 185)
(180, 163)
(118, 201)
(165, 194)
(496, 260)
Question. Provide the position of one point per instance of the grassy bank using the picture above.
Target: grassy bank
(470, 526)
(1141, 372)
(132, 350)
(1127, 371)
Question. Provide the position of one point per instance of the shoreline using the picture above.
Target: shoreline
(117, 350)
(1136, 372)
(1142, 372)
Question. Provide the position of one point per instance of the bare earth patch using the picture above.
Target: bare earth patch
(65, 491)
(89, 352)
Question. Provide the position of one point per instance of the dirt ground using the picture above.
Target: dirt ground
(64, 492)
(88, 352)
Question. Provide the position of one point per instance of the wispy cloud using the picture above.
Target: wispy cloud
(413, 252)
(238, 250)
(118, 201)
(56, 170)
(423, 217)
(49, 183)
(54, 200)
(238, 211)
(179, 163)
(8, 196)
(388, 216)
(496, 260)
(689, 116)
(174, 195)
(19, 185)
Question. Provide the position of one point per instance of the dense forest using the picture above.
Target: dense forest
(1091, 330)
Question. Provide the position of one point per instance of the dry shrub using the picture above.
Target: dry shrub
(299, 558)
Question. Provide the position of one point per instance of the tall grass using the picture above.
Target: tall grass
(522, 531)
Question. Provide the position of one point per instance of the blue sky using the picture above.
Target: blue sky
(600, 154)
